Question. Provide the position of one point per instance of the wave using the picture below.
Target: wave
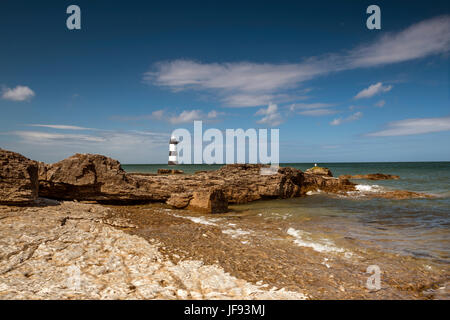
(369, 188)
(303, 239)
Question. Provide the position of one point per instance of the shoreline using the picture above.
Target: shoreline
(154, 252)
(259, 252)
(130, 236)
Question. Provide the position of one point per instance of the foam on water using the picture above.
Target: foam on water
(303, 239)
(368, 188)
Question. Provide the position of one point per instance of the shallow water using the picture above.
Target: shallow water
(413, 227)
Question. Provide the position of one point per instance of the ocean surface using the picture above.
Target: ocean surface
(415, 227)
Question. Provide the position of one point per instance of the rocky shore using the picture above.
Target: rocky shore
(89, 177)
(83, 228)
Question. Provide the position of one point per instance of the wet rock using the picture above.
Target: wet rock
(170, 171)
(371, 176)
(18, 178)
(320, 171)
(400, 195)
(313, 182)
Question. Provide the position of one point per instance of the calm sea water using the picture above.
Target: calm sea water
(417, 227)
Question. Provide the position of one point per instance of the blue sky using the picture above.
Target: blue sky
(139, 69)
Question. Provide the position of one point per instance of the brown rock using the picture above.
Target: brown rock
(18, 178)
(320, 171)
(170, 171)
(315, 182)
(400, 195)
(371, 176)
(179, 200)
(89, 177)
(212, 201)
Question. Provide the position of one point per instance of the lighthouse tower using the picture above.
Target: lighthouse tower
(173, 156)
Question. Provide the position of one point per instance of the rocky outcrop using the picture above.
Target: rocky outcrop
(18, 178)
(170, 171)
(91, 177)
(314, 182)
(88, 177)
(371, 176)
(320, 171)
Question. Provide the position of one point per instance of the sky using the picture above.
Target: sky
(137, 70)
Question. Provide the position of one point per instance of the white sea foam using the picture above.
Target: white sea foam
(199, 220)
(234, 233)
(368, 188)
(303, 239)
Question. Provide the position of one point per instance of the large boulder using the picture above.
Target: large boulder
(89, 177)
(211, 201)
(315, 182)
(18, 178)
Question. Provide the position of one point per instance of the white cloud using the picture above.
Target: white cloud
(19, 93)
(372, 90)
(307, 106)
(317, 112)
(192, 115)
(271, 116)
(422, 39)
(353, 117)
(60, 126)
(126, 146)
(254, 84)
(312, 109)
(158, 114)
(414, 126)
(380, 104)
(45, 137)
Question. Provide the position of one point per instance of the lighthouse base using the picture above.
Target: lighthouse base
(172, 163)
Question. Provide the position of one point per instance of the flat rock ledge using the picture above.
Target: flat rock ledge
(371, 176)
(69, 250)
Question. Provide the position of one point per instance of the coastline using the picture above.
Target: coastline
(117, 235)
(155, 252)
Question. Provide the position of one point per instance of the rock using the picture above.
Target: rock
(18, 178)
(315, 182)
(400, 195)
(89, 177)
(371, 176)
(170, 171)
(320, 171)
(212, 201)
(179, 200)
(88, 257)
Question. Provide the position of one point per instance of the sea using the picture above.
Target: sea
(413, 227)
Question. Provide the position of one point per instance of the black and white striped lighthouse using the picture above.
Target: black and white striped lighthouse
(173, 156)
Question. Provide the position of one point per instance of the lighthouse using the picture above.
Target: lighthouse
(173, 156)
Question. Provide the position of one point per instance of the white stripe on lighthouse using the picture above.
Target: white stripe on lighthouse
(173, 155)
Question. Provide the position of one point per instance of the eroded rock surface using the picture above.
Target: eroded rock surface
(71, 250)
(371, 176)
(18, 178)
(95, 177)
(320, 171)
